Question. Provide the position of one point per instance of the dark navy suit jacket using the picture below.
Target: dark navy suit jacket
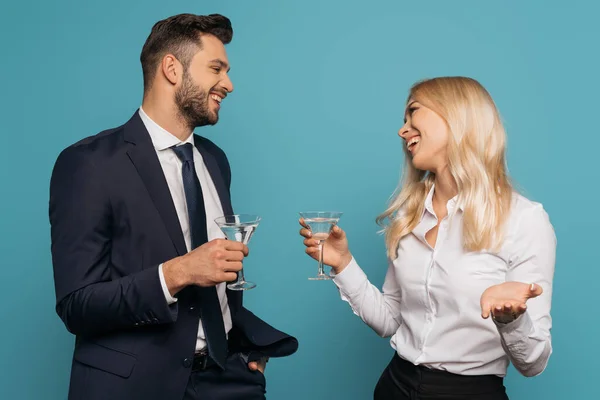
(113, 223)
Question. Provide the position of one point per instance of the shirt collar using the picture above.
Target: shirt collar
(451, 205)
(161, 138)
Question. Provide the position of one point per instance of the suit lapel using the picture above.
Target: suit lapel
(144, 158)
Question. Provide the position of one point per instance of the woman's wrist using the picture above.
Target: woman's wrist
(344, 261)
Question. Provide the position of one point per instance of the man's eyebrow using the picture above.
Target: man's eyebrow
(221, 63)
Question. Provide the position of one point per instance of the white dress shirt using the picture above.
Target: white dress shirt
(171, 166)
(430, 305)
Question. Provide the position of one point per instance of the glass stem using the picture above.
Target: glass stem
(241, 276)
(321, 246)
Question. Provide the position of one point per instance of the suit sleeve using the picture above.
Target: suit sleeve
(90, 299)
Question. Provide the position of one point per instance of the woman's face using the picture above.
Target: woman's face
(425, 135)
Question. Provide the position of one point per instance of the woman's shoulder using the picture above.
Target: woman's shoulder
(527, 215)
(522, 205)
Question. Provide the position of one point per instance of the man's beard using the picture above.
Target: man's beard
(192, 104)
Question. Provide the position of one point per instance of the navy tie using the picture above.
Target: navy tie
(210, 308)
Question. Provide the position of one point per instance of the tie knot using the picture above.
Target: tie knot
(185, 152)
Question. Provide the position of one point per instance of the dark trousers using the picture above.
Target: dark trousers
(401, 380)
(236, 382)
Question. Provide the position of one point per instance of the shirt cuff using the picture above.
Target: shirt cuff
(170, 299)
(517, 330)
(351, 279)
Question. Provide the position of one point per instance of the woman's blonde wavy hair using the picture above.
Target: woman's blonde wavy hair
(476, 161)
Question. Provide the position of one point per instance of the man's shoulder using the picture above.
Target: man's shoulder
(100, 145)
(108, 137)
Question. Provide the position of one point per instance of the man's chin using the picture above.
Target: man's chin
(213, 118)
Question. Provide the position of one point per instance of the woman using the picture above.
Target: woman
(463, 246)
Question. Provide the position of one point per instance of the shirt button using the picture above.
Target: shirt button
(187, 362)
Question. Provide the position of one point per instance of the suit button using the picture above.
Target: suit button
(191, 309)
(187, 362)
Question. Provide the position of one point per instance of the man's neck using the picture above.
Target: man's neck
(166, 116)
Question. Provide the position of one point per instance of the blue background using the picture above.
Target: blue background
(312, 123)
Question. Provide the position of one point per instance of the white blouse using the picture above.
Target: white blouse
(430, 305)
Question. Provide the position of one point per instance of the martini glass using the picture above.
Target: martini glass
(320, 224)
(239, 228)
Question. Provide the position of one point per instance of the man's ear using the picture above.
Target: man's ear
(171, 68)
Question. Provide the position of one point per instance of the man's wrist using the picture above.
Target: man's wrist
(174, 274)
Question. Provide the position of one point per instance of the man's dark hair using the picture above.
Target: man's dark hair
(180, 36)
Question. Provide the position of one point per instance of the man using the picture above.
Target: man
(140, 267)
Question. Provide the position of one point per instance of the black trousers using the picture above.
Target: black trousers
(236, 382)
(401, 380)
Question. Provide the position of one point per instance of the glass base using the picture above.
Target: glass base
(243, 285)
(319, 277)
